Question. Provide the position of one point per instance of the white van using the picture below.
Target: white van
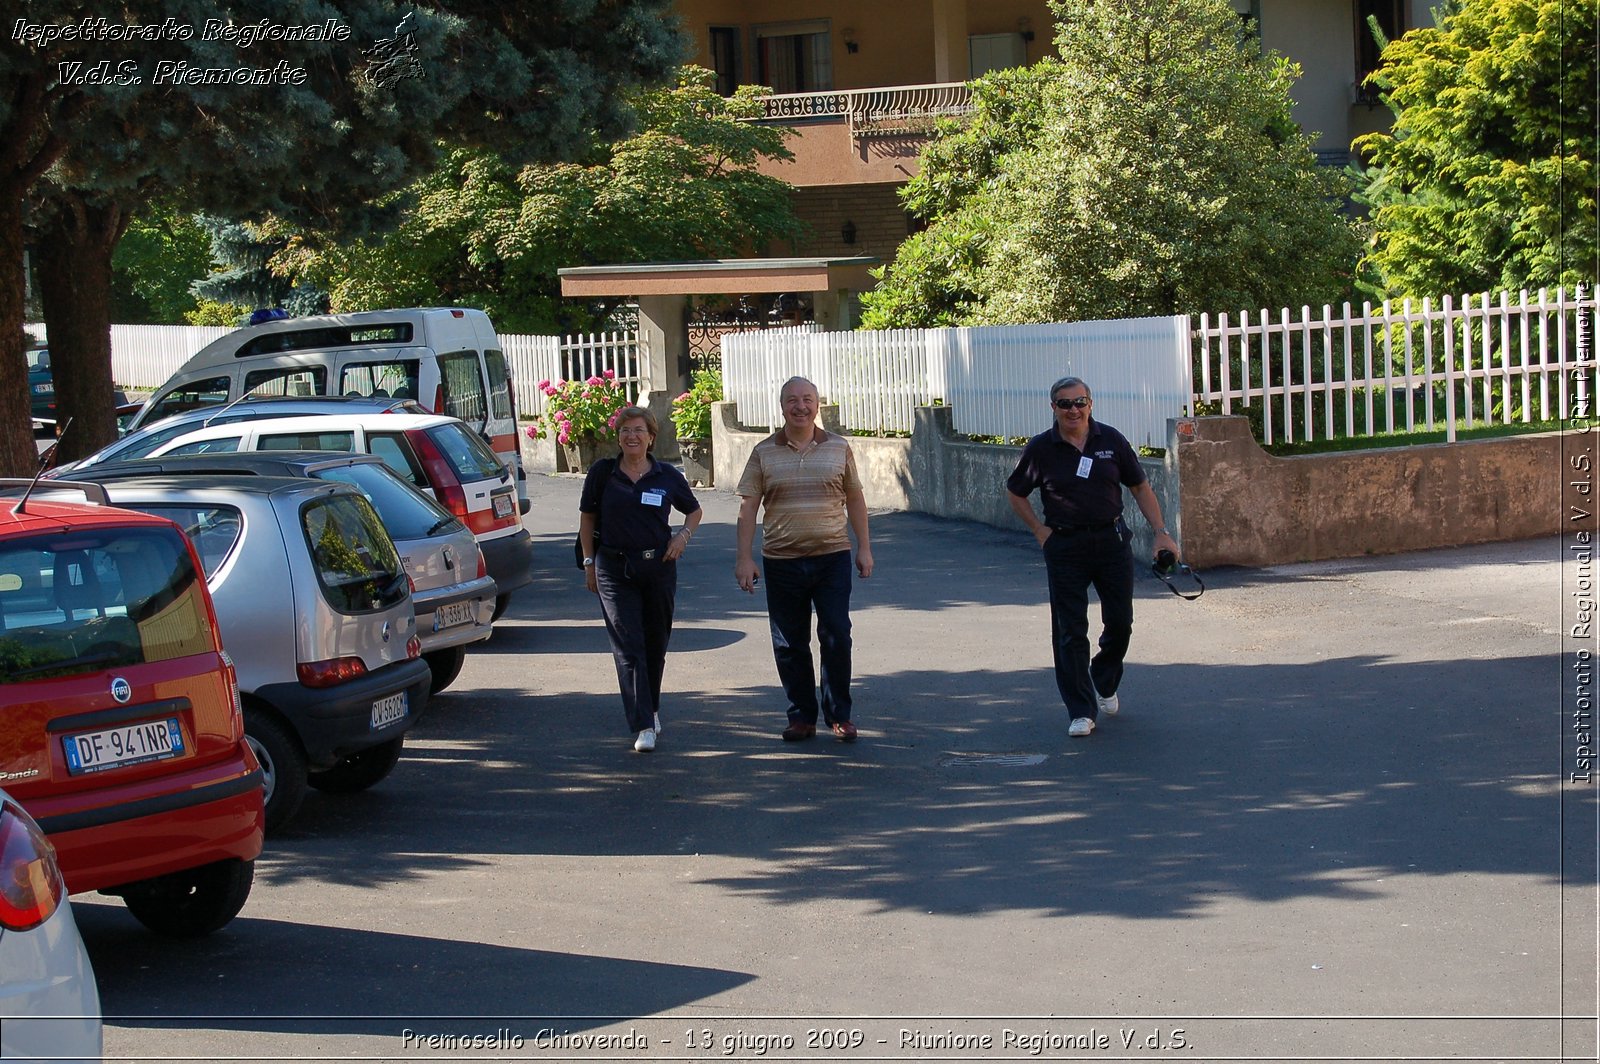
(446, 358)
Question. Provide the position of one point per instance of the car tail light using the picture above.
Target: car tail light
(413, 648)
(411, 585)
(31, 887)
(330, 673)
(483, 566)
(438, 399)
(446, 487)
(231, 675)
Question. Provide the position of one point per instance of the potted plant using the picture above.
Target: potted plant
(581, 415)
(691, 419)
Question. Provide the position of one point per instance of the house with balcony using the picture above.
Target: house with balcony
(858, 82)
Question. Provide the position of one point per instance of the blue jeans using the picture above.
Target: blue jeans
(637, 607)
(1073, 561)
(796, 587)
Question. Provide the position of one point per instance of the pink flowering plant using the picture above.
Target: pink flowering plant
(691, 411)
(578, 408)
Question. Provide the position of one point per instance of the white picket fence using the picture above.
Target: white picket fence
(144, 356)
(996, 379)
(1478, 360)
(554, 358)
(1481, 360)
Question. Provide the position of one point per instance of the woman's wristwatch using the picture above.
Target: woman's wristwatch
(588, 561)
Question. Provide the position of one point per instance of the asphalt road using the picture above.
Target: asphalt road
(1330, 822)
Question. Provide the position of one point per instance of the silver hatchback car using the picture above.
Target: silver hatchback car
(451, 590)
(315, 610)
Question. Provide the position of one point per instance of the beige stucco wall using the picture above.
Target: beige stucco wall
(894, 38)
(1242, 506)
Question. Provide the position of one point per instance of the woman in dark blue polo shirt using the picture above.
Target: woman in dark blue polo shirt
(633, 566)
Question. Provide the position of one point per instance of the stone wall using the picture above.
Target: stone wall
(1242, 506)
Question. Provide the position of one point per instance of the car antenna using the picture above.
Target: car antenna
(229, 405)
(44, 463)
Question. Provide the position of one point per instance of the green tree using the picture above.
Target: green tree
(326, 127)
(162, 253)
(1160, 174)
(1487, 179)
(480, 232)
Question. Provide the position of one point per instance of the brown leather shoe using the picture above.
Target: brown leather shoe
(798, 730)
(844, 731)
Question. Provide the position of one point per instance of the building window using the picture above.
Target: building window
(1389, 15)
(794, 57)
(1249, 12)
(725, 58)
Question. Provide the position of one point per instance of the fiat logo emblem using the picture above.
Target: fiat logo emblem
(121, 689)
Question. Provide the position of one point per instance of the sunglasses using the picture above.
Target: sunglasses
(1073, 404)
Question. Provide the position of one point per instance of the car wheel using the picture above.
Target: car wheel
(194, 902)
(446, 666)
(500, 604)
(283, 766)
(361, 769)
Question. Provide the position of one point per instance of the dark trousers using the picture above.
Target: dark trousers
(796, 587)
(1074, 561)
(637, 607)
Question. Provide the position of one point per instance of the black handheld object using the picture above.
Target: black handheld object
(1166, 566)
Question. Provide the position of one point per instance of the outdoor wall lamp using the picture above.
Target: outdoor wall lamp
(1025, 27)
(850, 44)
(848, 232)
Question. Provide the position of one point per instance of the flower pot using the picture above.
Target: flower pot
(581, 452)
(697, 468)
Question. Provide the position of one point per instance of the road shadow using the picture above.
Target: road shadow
(259, 975)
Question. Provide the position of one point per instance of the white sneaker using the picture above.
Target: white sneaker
(1080, 727)
(1108, 703)
(656, 720)
(646, 741)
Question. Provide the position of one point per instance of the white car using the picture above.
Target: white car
(439, 454)
(49, 1005)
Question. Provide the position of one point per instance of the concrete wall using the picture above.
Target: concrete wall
(1242, 506)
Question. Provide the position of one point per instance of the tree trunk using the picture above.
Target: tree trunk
(18, 455)
(74, 271)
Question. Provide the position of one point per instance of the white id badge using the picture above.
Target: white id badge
(652, 498)
(1085, 466)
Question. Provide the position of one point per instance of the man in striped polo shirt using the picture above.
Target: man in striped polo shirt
(804, 481)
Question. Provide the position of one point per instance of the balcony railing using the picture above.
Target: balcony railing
(886, 112)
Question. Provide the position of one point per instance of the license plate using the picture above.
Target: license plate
(129, 744)
(451, 614)
(502, 506)
(44, 389)
(386, 711)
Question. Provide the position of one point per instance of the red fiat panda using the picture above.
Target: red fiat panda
(120, 726)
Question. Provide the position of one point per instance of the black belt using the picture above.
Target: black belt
(1085, 528)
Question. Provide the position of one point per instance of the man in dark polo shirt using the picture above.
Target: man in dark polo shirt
(1080, 467)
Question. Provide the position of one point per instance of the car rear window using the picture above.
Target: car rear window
(462, 381)
(291, 380)
(220, 445)
(81, 602)
(355, 559)
(500, 407)
(394, 380)
(212, 529)
(306, 441)
(406, 512)
(468, 455)
(208, 392)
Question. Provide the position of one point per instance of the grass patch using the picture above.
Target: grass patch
(1411, 439)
